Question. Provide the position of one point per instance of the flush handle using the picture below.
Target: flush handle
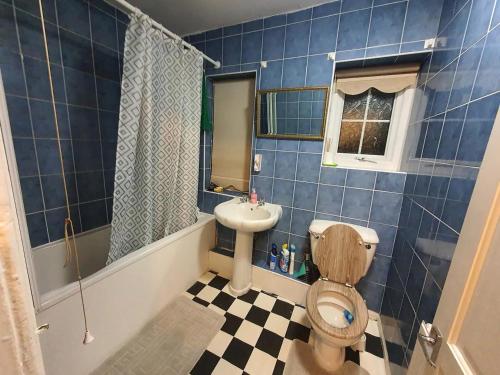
(430, 339)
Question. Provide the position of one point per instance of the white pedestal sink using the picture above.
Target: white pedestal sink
(246, 218)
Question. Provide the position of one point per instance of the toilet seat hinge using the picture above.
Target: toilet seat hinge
(323, 278)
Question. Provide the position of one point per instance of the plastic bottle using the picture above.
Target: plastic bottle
(285, 258)
(292, 259)
(253, 196)
(274, 257)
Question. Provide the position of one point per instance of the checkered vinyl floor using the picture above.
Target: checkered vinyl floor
(259, 331)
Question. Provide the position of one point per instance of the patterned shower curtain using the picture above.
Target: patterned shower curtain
(157, 158)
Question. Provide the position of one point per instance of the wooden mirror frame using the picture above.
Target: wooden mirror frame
(290, 136)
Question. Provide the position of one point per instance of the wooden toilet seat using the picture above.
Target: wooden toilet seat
(360, 311)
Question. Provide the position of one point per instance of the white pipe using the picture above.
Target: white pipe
(159, 26)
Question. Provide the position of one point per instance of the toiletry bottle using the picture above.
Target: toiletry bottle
(253, 196)
(274, 257)
(292, 259)
(284, 259)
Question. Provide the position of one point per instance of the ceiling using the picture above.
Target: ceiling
(186, 17)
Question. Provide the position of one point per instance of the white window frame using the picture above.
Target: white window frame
(398, 127)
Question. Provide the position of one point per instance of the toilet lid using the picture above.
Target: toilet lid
(341, 254)
(359, 311)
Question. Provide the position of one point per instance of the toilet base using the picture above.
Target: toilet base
(328, 355)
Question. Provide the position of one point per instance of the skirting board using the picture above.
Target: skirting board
(269, 281)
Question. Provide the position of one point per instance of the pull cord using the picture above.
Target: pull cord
(71, 248)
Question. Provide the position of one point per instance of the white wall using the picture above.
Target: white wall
(126, 295)
(93, 248)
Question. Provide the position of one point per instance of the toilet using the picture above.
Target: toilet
(343, 254)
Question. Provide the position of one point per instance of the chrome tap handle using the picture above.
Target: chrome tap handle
(261, 202)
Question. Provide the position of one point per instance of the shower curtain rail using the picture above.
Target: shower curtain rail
(129, 7)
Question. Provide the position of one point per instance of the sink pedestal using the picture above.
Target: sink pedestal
(241, 281)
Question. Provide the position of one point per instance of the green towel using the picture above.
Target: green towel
(206, 121)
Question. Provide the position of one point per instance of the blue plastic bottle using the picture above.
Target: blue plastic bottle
(274, 257)
(285, 258)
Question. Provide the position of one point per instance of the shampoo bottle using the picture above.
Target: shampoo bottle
(284, 259)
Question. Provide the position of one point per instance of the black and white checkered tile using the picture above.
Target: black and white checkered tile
(259, 331)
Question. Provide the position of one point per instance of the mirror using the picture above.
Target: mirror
(295, 113)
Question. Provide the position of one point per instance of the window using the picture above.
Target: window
(368, 120)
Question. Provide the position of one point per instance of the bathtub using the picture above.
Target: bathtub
(120, 298)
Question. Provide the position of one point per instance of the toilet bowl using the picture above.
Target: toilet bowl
(343, 254)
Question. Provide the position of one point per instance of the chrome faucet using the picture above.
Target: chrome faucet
(261, 202)
(244, 199)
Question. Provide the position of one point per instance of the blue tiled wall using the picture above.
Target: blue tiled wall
(86, 46)
(456, 104)
(295, 45)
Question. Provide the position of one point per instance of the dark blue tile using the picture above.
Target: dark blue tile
(25, 157)
(74, 15)
(197, 38)
(56, 219)
(392, 49)
(30, 6)
(213, 34)
(319, 71)
(19, 118)
(357, 203)
(326, 9)
(349, 5)
(432, 137)
(323, 35)
(103, 28)
(53, 190)
(37, 80)
(48, 156)
(415, 282)
(379, 269)
(300, 222)
(450, 136)
(480, 15)
(90, 186)
(214, 49)
(393, 182)
(84, 124)
(287, 145)
(284, 222)
(429, 300)
(8, 30)
(14, 81)
(424, 246)
(93, 215)
(274, 21)
(43, 119)
(106, 63)
(301, 15)
(333, 176)
(109, 125)
(271, 76)
(31, 38)
(232, 30)
(465, 75)
(285, 165)
(265, 144)
(353, 30)
(305, 196)
(87, 155)
(251, 48)
(477, 129)
(297, 39)
(294, 71)
(32, 194)
(386, 24)
(386, 207)
(263, 187)
(80, 88)
(37, 229)
(253, 25)
(104, 6)
(109, 154)
(231, 50)
(442, 254)
(260, 241)
(484, 85)
(108, 94)
(109, 182)
(361, 179)
(422, 19)
(283, 192)
(386, 235)
(311, 146)
(406, 319)
(372, 293)
(330, 199)
(308, 166)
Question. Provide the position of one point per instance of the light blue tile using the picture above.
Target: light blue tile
(422, 20)
(305, 196)
(271, 76)
(450, 136)
(484, 85)
(311, 146)
(330, 199)
(361, 179)
(308, 166)
(386, 24)
(353, 30)
(386, 235)
(283, 192)
(287, 145)
(479, 21)
(297, 39)
(326, 9)
(273, 43)
(263, 186)
(300, 222)
(393, 182)
(357, 203)
(319, 71)
(294, 71)
(284, 222)
(386, 207)
(333, 176)
(323, 35)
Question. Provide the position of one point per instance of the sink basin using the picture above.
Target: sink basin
(246, 218)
